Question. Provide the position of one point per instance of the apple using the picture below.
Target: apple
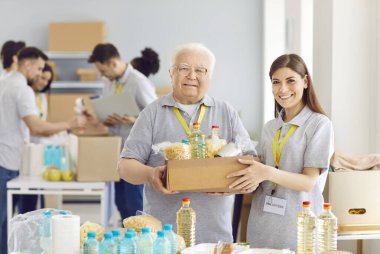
(67, 175)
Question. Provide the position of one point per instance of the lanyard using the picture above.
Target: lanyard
(118, 89)
(183, 122)
(277, 153)
(39, 104)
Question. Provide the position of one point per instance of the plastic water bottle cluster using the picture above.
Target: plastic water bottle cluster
(165, 243)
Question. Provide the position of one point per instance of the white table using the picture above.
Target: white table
(35, 185)
(360, 237)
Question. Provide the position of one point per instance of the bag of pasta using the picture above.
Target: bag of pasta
(173, 151)
(143, 220)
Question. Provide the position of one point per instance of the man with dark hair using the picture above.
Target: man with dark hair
(18, 107)
(8, 55)
(122, 77)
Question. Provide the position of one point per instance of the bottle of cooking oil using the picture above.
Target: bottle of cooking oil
(327, 230)
(186, 219)
(197, 142)
(214, 143)
(306, 226)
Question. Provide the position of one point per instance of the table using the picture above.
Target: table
(36, 185)
(360, 237)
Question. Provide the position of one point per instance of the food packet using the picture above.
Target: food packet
(241, 146)
(173, 151)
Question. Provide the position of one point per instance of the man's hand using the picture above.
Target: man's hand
(115, 119)
(157, 178)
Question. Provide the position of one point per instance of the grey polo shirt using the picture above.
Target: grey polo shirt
(311, 145)
(158, 123)
(16, 101)
(138, 86)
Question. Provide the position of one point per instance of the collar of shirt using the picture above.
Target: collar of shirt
(123, 79)
(168, 100)
(298, 120)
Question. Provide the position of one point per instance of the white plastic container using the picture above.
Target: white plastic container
(208, 248)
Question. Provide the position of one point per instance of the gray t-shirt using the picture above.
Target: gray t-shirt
(16, 101)
(311, 145)
(158, 123)
(139, 86)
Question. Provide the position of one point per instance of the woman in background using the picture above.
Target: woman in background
(8, 56)
(148, 63)
(295, 150)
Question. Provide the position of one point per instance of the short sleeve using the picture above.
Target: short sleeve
(26, 102)
(139, 142)
(145, 94)
(320, 145)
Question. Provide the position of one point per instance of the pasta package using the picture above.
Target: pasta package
(88, 227)
(140, 221)
(173, 151)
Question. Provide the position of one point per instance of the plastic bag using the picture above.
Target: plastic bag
(241, 146)
(173, 151)
(24, 231)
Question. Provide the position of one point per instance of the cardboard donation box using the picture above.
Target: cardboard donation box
(76, 36)
(355, 197)
(202, 175)
(95, 158)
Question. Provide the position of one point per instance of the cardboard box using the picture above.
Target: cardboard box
(95, 158)
(202, 175)
(355, 190)
(75, 36)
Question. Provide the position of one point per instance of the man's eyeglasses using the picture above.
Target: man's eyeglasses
(185, 70)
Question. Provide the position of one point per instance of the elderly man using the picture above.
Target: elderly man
(191, 72)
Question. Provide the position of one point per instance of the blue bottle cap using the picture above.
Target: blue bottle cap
(107, 235)
(160, 234)
(47, 212)
(63, 212)
(168, 227)
(185, 141)
(131, 230)
(91, 234)
(145, 230)
(128, 235)
(116, 232)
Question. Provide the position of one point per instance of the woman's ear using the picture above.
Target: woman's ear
(306, 82)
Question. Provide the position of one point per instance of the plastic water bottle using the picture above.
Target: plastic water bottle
(91, 245)
(306, 226)
(161, 245)
(186, 219)
(108, 245)
(45, 232)
(169, 234)
(128, 245)
(117, 239)
(145, 242)
(197, 142)
(327, 230)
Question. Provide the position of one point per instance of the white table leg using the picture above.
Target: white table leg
(9, 209)
(103, 214)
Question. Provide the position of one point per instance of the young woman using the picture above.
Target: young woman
(295, 150)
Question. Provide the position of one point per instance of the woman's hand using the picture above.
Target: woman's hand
(157, 178)
(250, 177)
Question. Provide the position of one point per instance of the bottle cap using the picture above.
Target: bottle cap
(160, 234)
(131, 230)
(129, 235)
(145, 230)
(306, 203)
(185, 141)
(215, 127)
(326, 206)
(91, 234)
(63, 212)
(116, 232)
(168, 227)
(186, 201)
(196, 125)
(47, 213)
(108, 235)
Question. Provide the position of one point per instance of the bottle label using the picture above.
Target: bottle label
(275, 205)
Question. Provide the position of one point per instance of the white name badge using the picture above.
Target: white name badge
(275, 205)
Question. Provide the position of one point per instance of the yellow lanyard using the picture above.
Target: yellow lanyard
(183, 122)
(39, 104)
(277, 153)
(118, 89)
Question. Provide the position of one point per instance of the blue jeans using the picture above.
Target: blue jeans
(5, 176)
(128, 198)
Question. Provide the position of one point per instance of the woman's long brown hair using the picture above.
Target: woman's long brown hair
(296, 64)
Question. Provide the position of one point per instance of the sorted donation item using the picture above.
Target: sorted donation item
(66, 234)
(197, 142)
(306, 226)
(327, 230)
(213, 143)
(186, 219)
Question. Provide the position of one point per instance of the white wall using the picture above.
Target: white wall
(232, 29)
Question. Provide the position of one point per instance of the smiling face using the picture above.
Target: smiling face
(288, 88)
(190, 77)
(42, 81)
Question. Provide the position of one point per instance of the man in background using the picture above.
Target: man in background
(121, 77)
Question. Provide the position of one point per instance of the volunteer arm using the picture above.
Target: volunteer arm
(134, 172)
(39, 127)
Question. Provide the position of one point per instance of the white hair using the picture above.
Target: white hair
(195, 47)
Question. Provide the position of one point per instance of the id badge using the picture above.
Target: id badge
(275, 205)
